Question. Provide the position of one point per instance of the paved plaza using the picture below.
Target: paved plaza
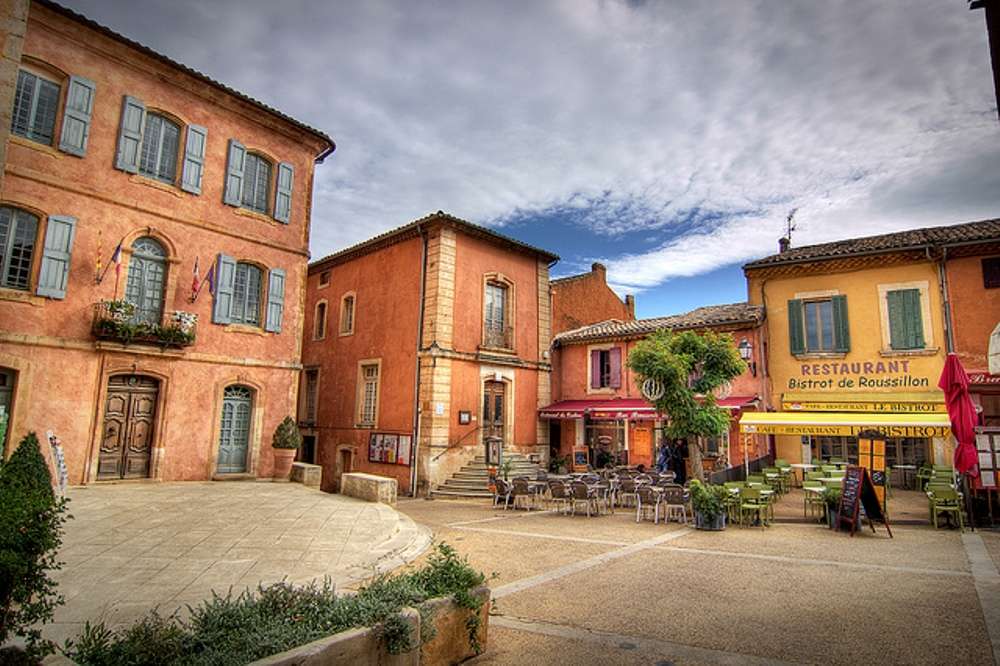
(607, 590)
(134, 546)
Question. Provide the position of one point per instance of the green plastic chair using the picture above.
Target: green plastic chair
(815, 476)
(946, 501)
(923, 474)
(828, 470)
(759, 479)
(753, 504)
(811, 501)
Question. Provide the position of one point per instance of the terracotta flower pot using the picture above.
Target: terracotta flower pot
(283, 463)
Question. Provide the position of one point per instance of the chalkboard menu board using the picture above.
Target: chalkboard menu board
(858, 490)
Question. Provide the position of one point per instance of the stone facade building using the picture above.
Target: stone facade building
(601, 409)
(112, 145)
(421, 344)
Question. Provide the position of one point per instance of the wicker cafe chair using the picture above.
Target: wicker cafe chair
(647, 500)
(523, 491)
(675, 501)
(581, 492)
(627, 492)
(559, 494)
(501, 492)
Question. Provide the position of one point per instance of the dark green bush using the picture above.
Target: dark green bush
(31, 520)
(232, 630)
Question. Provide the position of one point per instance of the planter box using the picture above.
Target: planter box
(362, 647)
(716, 525)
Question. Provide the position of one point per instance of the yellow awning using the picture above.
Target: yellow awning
(926, 402)
(835, 423)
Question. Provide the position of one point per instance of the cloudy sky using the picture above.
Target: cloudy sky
(666, 139)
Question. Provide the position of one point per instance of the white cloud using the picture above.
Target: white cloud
(868, 116)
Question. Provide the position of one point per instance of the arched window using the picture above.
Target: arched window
(160, 144)
(18, 231)
(234, 430)
(246, 295)
(147, 270)
(257, 183)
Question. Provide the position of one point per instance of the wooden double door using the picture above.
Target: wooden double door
(129, 420)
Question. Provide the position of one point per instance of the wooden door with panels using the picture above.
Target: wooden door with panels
(129, 421)
(494, 394)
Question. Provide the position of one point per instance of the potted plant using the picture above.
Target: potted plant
(285, 443)
(709, 504)
(831, 497)
(559, 464)
(505, 468)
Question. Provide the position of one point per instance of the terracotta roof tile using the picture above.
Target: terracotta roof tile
(955, 234)
(703, 317)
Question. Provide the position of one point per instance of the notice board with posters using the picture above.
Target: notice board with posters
(858, 490)
(988, 455)
(389, 448)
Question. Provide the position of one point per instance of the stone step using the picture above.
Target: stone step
(445, 494)
(452, 484)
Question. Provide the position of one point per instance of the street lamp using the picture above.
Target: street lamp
(746, 353)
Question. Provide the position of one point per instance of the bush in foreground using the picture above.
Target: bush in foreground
(232, 630)
(31, 520)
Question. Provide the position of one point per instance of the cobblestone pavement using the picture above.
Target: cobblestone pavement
(605, 590)
(134, 546)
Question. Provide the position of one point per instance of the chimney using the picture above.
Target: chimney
(599, 268)
(630, 305)
(783, 244)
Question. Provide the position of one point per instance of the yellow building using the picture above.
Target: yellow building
(856, 336)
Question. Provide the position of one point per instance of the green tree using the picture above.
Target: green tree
(31, 520)
(686, 369)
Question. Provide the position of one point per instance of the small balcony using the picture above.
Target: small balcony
(116, 321)
(498, 338)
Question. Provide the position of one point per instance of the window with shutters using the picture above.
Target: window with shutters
(605, 368)
(905, 314)
(324, 279)
(347, 314)
(498, 311)
(368, 393)
(36, 103)
(256, 183)
(311, 395)
(246, 295)
(161, 142)
(18, 236)
(320, 329)
(818, 325)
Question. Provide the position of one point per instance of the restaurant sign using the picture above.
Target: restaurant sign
(984, 378)
(854, 375)
(844, 429)
(873, 404)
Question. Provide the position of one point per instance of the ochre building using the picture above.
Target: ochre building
(111, 145)
(422, 344)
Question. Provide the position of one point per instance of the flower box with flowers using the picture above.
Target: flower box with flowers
(115, 320)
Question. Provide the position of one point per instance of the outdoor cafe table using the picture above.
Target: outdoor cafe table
(803, 468)
(831, 480)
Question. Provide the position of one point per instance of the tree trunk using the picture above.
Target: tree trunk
(694, 454)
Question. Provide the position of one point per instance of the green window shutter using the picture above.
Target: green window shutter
(283, 193)
(225, 284)
(275, 300)
(76, 116)
(194, 159)
(235, 164)
(130, 135)
(796, 327)
(841, 328)
(906, 326)
(54, 272)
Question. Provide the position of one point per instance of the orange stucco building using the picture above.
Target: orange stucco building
(112, 145)
(578, 300)
(600, 407)
(421, 344)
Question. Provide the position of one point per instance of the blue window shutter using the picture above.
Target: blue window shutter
(841, 329)
(54, 272)
(194, 159)
(76, 116)
(796, 327)
(130, 135)
(225, 282)
(275, 300)
(283, 193)
(235, 163)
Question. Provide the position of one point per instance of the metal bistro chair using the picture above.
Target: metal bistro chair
(675, 502)
(501, 491)
(559, 494)
(627, 492)
(581, 492)
(648, 500)
(522, 491)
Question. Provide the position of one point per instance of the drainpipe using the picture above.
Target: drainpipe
(945, 299)
(416, 373)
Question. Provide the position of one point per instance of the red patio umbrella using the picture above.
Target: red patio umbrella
(962, 414)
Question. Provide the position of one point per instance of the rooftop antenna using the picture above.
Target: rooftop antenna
(785, 242)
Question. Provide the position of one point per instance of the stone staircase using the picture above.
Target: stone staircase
(473, 479)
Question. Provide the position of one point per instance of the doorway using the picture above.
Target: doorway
(234, 432)
(345, 462)
(307, 452)
(493, 416)
(129, 413)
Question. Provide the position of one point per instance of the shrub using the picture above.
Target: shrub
(287, 435)
(31, 520)
(251, 625)
(708, 500)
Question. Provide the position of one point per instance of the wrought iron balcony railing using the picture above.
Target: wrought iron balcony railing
(116, 321)
(498, 338)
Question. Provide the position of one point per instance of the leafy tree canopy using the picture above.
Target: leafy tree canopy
(689, 367)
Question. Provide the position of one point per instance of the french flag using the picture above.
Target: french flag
(116, 259)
